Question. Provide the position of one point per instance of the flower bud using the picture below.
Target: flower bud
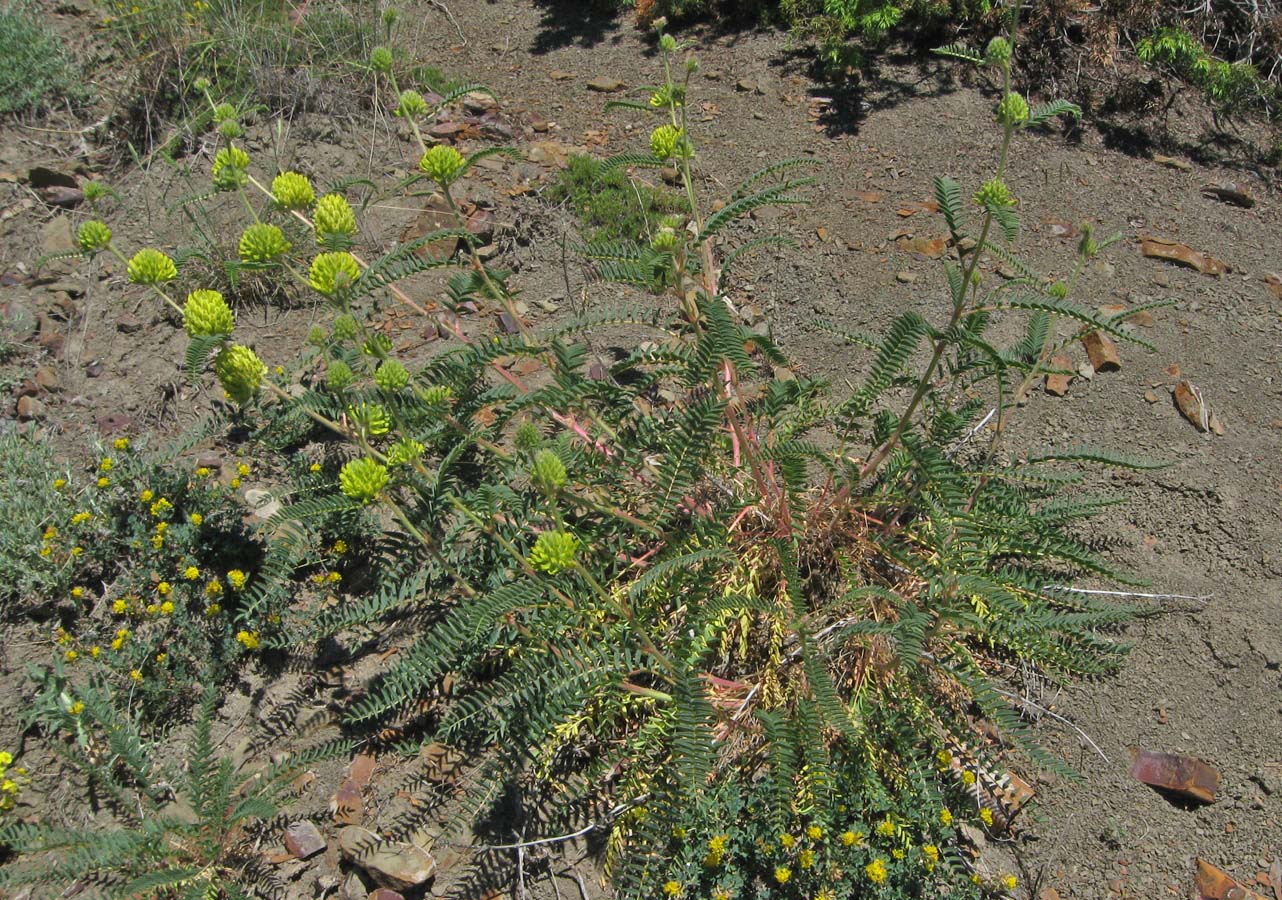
(229, 168)
(391, 376)
(334, 220)
(404, 451)
(151, 267)
(411, 105)
(554, 551)
(240, 372)
(93, 236)
(206, 313)
(332, 273)
(998, 52)
(363, 479)
(380, 59)
(442, 164)
(339, 376)
(262, 243)
(293, 191)
(548, 472)
(1013, 109)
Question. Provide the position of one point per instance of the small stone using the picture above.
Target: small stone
(1150, 397)
(385, 894)
(128, 324)
(48, 378)
(560, 75)
(303, 839)
(398, 866)
(906, 277)
(1181, 775)
(748, 86)
(604, 85)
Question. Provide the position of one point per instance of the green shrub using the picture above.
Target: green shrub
(37, 70)
(612, 205)
(742, 625)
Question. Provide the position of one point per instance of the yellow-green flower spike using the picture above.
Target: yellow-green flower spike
(207, 313)
(370, 419)
(1013, 110)
(548, 472)
(333, 272)
(527, 438)
(380, 59)
(229, 170)
(93, 236)
(334, 220)
(994, 193)
(391, 376)
(436, 395)
(998, 52)
(363, 479)
(339, 376)
(262, 243)
(411, 105)
(404, 451)
(345, 328)
(224, 112)
(664, 141)
(293, 191)
(442, 164)
(554, 551)
(240, 372)
(151, 267)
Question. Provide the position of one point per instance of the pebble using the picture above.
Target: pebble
(394, 865)
(303, 839)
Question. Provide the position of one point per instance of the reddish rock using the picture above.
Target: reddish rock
(385, 894)
(303, 839)
(1213, 883)
(1181, 775)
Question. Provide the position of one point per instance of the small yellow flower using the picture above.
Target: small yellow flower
(77, 592)
(76, 551)
(104, 481)
(94, 651)
(164, 588)
(160, 507)
(968, 778)
(340, 547)
(1009, 882)
(814, 832)
(59, 483)
(117, 643)
(161, 658)
(63, 637)
(242, 470)
(214, 588)
(806, 858)
(71, 656)
(335, 577)
(876, 871)
(197, 519)
(786, 841)
(718, 843)
(167, 608)
(974, 878)
(146, 496)
(105, 464)
(213, 609)
(248, 639)
(931, 852)
(236, 578)
(886, 828)
(672, 889)
(76, 708)
(945, 817)
(782, 874)
(234, 483)
(135, 675)
(121, 443)
(81, 516)
(850, 838)
(986, 815)
(152, 608)
(314, 468)
(898, 853)
(202, 472)
(157, 541)
(191, 573)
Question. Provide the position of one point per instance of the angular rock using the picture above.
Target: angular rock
(303, 839)
(1236, 194)
(1213, 883)
(1057, 382)
(1180, 775)
(401, 867)
(30, 408)
(1102, 352)
(385, 894)
(1192, 406)
(1173, 251)
(346, 806)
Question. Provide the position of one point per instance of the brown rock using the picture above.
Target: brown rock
(605, 85)
(1181, 775)
(1172, 163)
(30, 408)
(1161, 248)
(1189, 401)
(1102, 352)
(401, 867)
(560, 75)
(47, 378)
(385, 894)
(347, 806)
(1274, 281)
(303, 839)
(930, 248)
(1057, 382)
(1236, 194)
(128, 324)
(361, 769)
(1213, 883)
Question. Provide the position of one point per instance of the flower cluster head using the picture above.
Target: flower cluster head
(783, 874)
(332, 273)
(994, 194)
(436, 395)
(370, 419)
(411, 104)
(667, 141)
(230, 168)
(206, 313)
(247, 639)
(240, 372)
(554, 551)
(363, 479)
(548, 472)
(998, 52)
(668, 96)
(1013, 109)
(150, 266)
(391, 376)
(93, 236)
(876, 871)
(380, 59)
(335, 221)
(262, 243)
(404, 451)
(339, 376)
(293, 191)
(442, 164)
(527, 438)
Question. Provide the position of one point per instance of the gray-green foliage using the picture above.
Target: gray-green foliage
(29, 504)
(37, 70)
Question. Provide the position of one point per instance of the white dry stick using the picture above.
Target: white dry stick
(1057, 717)
(1205, 598)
